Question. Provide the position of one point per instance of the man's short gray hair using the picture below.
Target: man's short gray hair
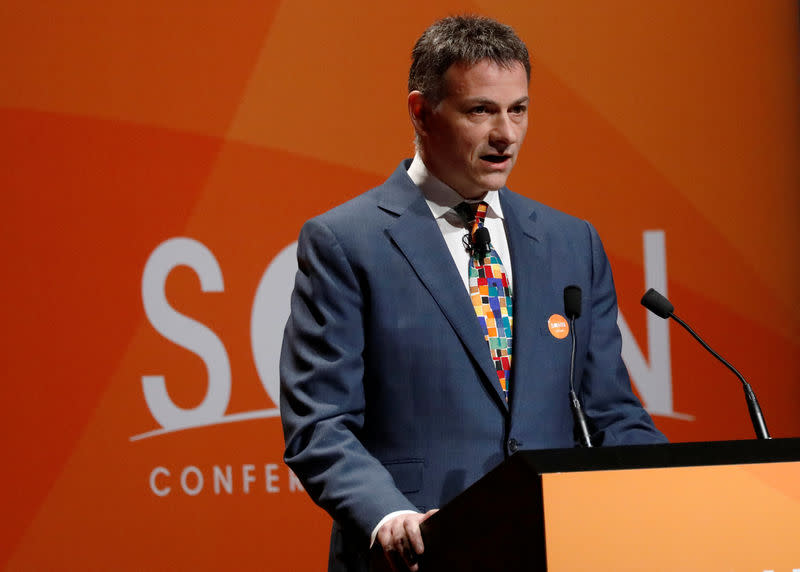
(461, 39)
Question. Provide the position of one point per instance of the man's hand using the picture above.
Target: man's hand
(401, 540)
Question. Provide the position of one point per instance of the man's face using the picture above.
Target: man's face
(471, 139)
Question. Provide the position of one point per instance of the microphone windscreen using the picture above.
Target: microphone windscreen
(482, 238)
(572, 301)
(657, 303)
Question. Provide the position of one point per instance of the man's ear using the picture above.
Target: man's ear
(418, 110)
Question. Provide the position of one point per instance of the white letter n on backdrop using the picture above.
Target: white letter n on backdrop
(654, 379)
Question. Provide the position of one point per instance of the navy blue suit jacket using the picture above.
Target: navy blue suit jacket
(389, 397)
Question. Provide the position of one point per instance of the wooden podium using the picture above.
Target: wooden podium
(727, 505)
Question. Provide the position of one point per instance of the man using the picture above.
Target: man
(392, 402)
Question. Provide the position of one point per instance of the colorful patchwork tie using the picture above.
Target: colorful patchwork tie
(491, 297)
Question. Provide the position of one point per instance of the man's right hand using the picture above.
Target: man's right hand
(401, 540)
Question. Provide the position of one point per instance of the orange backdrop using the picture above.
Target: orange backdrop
(156, 163)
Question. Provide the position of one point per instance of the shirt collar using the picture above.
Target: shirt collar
(440, 198)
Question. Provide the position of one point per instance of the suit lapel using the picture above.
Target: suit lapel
(417, 235)
(531, 268)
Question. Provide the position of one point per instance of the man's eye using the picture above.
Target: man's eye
(519, 109)
(478, 109)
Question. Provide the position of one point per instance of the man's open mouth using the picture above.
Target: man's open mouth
(495, 158)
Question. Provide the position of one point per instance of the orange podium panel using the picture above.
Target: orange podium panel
(728, 517)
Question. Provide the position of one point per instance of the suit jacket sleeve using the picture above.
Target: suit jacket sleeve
(322, 388)
(616, 414)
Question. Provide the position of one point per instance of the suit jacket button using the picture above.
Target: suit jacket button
(513, 445)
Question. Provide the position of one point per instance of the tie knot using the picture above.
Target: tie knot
(479, 211)
(473, 214)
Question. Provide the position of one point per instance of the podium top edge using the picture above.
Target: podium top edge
(660, 455)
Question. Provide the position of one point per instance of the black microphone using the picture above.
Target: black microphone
(663, 308)
(657, 303)
(477, 244)
(572, 308)
(572, 302)
(480, 242)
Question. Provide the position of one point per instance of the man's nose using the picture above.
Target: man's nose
(503, 133)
